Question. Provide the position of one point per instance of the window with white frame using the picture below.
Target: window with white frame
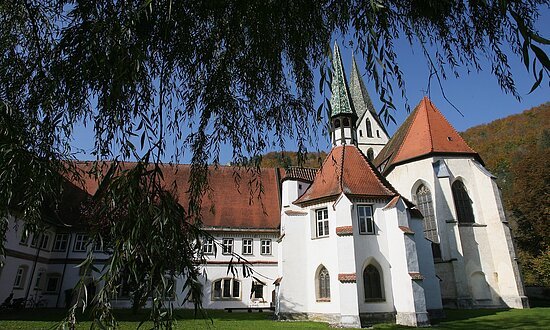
(45, 241)
(321, 217)
(80, 242)
(257, 290)
(265, 246)
(35, 240)
(226, 288)
(20, 276)
(247, 245)
(227, 246)
(208, 246)
(24, 237)
(366, 219)
(60, 242)
(52, 283)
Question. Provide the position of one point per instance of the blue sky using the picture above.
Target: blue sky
(477, 95)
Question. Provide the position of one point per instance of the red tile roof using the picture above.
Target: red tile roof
(424, 132)
(299, 173)
(344, 230)
(416, 276)
(252, 201)
(350, 277)
(346, 170)
(406, 230)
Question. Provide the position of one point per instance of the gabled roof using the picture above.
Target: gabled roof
(253, 203)
(425, 132)
(305, 174)
(340, 100)
(360, 97)
(346, 170)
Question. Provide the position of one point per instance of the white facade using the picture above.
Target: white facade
(45, 274)
(477, 264)
(403, 259)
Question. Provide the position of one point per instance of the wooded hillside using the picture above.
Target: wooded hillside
(517, 150)
(290, 158)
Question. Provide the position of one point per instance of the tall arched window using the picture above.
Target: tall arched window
(423, 199)
(346, 122)
(369, 128)
(372, 283)
(463, 203)
(370, 154)
(336, 123)
(323, 284)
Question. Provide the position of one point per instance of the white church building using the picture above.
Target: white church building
(389, 229)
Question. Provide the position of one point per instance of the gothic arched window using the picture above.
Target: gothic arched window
(369, 128)
(463, 203)
(323, 284)
(423, 199)
(373, 283)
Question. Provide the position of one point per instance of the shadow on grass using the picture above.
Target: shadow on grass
(125, 315)
(534, 318)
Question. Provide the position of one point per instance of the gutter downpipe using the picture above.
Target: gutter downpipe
(39, 243)
(64, 270)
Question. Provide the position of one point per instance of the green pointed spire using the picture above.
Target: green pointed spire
(340, 100)
(359, 95)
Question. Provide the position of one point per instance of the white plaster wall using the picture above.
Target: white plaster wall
(264, 267)
(374, 142)
(476, 248)
(374, 249)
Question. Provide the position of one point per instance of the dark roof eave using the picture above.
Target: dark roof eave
(388, 169)
(316, 200)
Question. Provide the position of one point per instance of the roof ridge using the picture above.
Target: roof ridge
(341, 179)
(320, 170)
(452, 127)
(381, 179)
(428, 121)
(414, 113)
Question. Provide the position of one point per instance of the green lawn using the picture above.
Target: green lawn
(535, 318)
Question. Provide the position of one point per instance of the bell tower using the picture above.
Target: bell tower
(342, 117)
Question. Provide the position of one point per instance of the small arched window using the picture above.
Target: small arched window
(370, 154)
(369, 128)
(323, 284)
(463, 203)
(373, 283)
(336, 123)
(346, 122)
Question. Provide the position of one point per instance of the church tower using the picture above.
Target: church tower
(343, 117)
(372, 135)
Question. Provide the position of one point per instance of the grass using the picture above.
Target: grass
(535, 318)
